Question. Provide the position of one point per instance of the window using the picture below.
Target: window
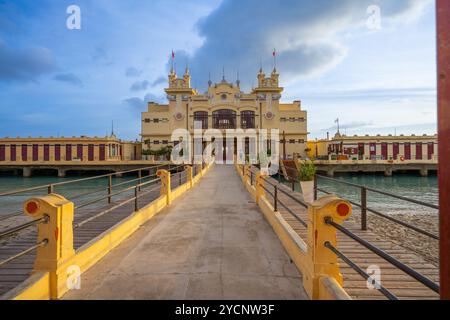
(13, 153)
(248, 120)
(155, 120)
(224, 119)
(165, 142)
(2, 152)
(46, 152)
(156, 142)
(24, 152)
(201, 116)
(147, 120)
(292, 141)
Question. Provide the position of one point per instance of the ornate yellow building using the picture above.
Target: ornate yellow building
(225, 106)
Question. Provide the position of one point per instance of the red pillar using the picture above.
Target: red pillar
(443, 50)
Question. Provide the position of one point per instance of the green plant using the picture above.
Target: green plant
(307, 171)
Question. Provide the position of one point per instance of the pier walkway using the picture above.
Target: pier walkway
(211, 243)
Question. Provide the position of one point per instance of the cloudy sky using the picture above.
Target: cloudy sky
(331, 55)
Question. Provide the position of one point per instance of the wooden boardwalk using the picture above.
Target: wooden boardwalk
(17, 271)
(393, 279)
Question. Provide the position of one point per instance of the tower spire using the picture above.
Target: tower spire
(172, 65)
(274, 60)
(209, 80)
(223, 74)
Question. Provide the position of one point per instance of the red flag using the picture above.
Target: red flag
(173, 55)
(274, 52)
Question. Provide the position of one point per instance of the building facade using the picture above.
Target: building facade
(225, 106)
(61, 149)
(403, 148)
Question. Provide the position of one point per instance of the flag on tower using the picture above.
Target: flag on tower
(274, 52)
(173, 55)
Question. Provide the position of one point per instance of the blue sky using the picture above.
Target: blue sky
(56, 81)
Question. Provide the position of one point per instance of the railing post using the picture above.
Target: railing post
(50, 189)
(58, 233)
(165, 184)
(109, 188)
(324, 263)
(246, 172)
(259, 183)
(140, 179)
(293, 185)
(189, 176)
(136, 199)
(275, 199)
(251, 177)
(363, 208)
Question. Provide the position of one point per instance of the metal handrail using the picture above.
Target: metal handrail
(403, 267)
(114, 194)
(79, 224)
(80, 180)
(80, 195)
(405, 224)
(364, 274)
(24, 252)
(278, 201)
(21, 227)
(422, 203)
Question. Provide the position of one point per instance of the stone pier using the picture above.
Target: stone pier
(424, 172)
(61, 173)
(388, 172)
(27, 172)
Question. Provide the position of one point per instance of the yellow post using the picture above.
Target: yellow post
(324, 263)
(165, 184)
(260, 192)
(189, 175)
(58, 232)
(246, 175)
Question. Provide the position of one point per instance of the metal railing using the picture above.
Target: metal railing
(365, 208)
(395, 262)
(374, 249)
(109, 189)
(364, 199)
(137, 191)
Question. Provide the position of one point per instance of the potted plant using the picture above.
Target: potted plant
(306, 176)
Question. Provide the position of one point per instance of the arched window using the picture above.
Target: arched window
(248, 120)
(224, 119)
(201, 116)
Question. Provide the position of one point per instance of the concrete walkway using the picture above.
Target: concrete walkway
(211, 243)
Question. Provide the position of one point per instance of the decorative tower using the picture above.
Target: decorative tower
(268, 91)
(179, 91)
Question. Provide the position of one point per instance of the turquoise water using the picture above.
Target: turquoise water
(13, 203)
(407, 185)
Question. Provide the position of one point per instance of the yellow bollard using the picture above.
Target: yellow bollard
(58, 231)
(260, 192)
(189, 175)
(165, 184)
(246, 174)
(324, 263)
